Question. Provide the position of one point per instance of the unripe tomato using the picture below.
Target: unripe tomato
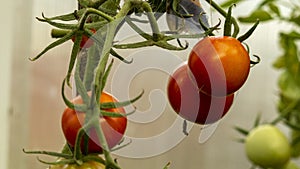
(191, 104)
(296, 147)
(220, 65)
(290, 165)
(85, 165)
(268, 147)
(113, 127)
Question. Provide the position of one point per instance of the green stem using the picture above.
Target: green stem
(154, 26)
(97, 82)
(224, 13)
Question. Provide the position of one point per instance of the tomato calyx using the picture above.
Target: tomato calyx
(66, 158)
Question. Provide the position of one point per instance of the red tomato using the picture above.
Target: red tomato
(220, 65)
(191, 104)
(113, 127)
(86, 42)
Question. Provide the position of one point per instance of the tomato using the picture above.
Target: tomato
(113, 127)
(191, 104)
(290, 165)
(220, 65)
(85, 165)
(295, 147)
(267, 147)
(86, 42)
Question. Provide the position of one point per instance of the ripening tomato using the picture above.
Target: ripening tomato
(220, 65)
(86, 42)
(113, 127)
(85, 165)
(267, 147)
(191, 104)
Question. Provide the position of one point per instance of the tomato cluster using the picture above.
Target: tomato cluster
(202, 91)
(113, 127)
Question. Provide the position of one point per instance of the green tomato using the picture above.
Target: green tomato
(296, 146)
(290, 165)
(85, 165)
(267, 147)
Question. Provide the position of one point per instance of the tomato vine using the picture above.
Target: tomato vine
(99, 21)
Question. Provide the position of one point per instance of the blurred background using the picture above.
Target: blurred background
(31, 104)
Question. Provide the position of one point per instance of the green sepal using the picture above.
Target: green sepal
(69, 17)
(228, 22)
(77, 107)
(57, 24)
(49, 153)
(241, 130)
(115, 114)
(115, 54)
(249, 32)
(54, 44)
(58, 162)
(109, 105)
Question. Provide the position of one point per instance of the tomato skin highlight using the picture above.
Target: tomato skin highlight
(267, 147)
(220, 65)
(113, 127)
(190, 103)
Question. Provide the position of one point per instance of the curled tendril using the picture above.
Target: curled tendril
(183, 46)
(253, 63)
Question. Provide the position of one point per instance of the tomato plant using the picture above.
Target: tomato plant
(113, 127)
(220, 65)
(267, 147)
(190, 103)
(84, 165)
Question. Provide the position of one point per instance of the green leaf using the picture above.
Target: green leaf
(259, 14)
(110, 7)
(296, 20)
(230, 3)
(265, 2)
(279, 62)
(289, 86)
(274, 8)
(291, 53)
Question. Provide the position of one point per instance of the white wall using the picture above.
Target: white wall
(5, 65)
